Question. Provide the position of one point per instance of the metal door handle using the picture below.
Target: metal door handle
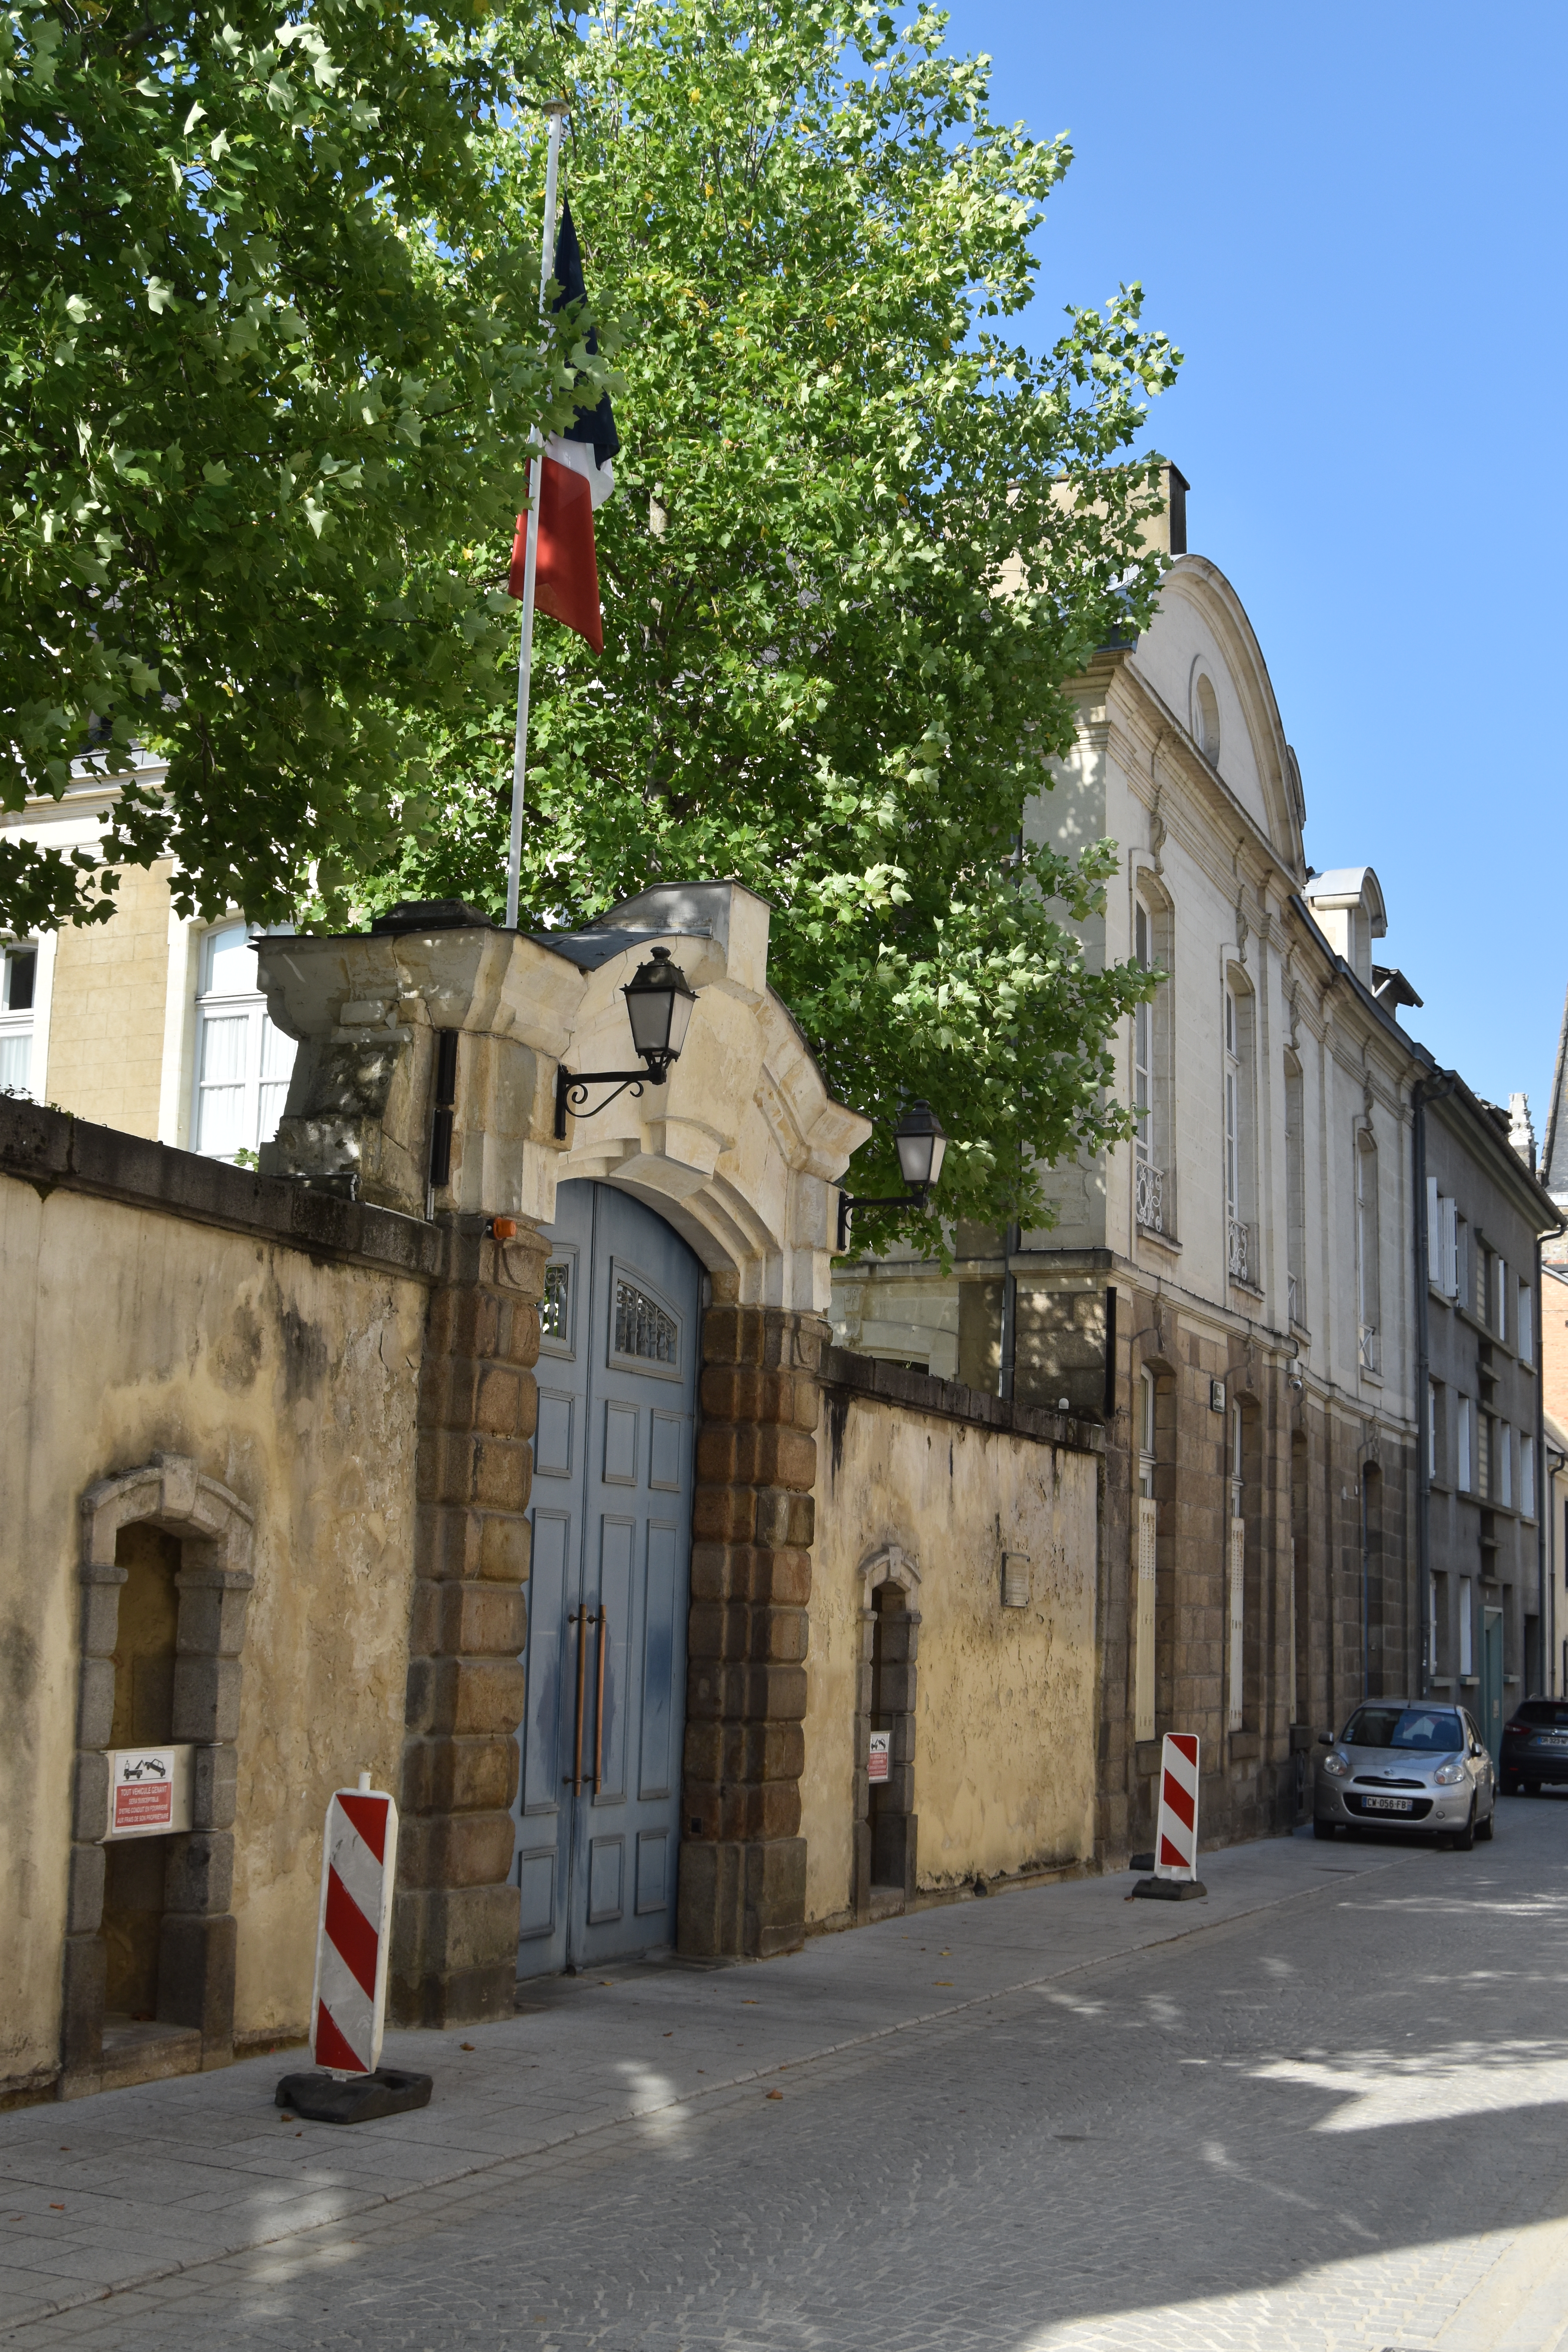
(574, 1779)
(599, 1708)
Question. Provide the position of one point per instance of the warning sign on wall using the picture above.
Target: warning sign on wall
(880, 1762)
(148, 1791)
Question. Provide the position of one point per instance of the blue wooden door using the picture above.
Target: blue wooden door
(598, 1799)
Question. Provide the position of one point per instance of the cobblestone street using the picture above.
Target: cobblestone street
(1333, 2118)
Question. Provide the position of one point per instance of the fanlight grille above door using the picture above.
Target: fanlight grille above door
(643, 1332)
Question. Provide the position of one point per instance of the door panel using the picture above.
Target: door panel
(611, 1543)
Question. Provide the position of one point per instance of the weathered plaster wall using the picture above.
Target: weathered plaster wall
(291, 1378)
(107, 1013)
(1005, 1697)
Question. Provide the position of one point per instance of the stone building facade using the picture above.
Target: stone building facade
(1232, 1294)
(1488, 1608)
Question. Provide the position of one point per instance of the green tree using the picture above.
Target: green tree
(267, 358)
(860, 540)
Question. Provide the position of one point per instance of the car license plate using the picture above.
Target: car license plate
(1386, 1804)
(1549, 1739)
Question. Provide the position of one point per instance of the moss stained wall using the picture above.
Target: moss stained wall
(291, 1378)
(1004, 1731)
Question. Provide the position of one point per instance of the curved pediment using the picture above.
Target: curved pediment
(1200, 657)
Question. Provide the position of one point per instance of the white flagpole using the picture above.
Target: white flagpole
(555, 110)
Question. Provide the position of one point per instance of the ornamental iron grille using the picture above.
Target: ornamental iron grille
(557, 1295)
(1149, 1190)
(1238, 1238)
(642, 1327)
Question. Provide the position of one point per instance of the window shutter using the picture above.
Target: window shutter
(1238, 1604)
(1450, 1276)
(1434, 1232)
(1143, 1630)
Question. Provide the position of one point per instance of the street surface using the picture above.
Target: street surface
(1325, 2112)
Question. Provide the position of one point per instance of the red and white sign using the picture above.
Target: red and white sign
(1176, 1823)
(348, 2005)
(148, 1791)
(879, 1759)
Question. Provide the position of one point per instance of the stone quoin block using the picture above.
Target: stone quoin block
(742, 1865)
(84, 1890)
(199, 1874)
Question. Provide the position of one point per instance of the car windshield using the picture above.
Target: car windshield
(1432, 1728)
(1542, 1710)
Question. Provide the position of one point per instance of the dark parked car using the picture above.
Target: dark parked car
(1535, 1746)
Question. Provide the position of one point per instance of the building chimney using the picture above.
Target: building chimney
(1167, 534)
(1520, 1131)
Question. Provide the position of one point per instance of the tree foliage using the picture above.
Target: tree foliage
(861, 536)
(268, 359)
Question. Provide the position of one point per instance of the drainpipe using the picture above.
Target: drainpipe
(1012, 1241)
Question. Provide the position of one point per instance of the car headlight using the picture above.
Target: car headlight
(1450, 1774)
(1337, 1768)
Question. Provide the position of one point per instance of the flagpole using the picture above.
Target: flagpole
(555, 110)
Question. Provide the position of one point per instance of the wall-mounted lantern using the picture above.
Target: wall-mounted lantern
(659, 1000)
(922, 1147)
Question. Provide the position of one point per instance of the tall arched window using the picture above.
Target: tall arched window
(1238, 1130)
(1154, 1177)
(1145, 1557)
(242, 1063)
(1296, 1188)
(1366, 1249)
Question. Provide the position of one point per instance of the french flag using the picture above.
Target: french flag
(576, 477)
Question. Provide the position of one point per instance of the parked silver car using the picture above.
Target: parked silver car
(1406, 1765)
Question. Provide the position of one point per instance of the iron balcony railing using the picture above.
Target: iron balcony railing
(1238, 1241)
(1149, 1196)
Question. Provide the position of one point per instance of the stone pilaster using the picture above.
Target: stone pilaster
(742, 1860)
(453, 1954)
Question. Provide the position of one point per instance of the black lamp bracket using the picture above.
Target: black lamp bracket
(846, 1203)
(572, 1089)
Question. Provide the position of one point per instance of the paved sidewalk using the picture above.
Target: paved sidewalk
(139, 2186)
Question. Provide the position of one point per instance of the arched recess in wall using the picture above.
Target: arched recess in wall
(166, 1581)
(886, 1825)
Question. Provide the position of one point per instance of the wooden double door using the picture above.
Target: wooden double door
(597, 1810)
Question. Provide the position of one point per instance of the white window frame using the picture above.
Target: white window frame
(16, 1026)
(1501, 1264)
(1467, 1628)
(1502, 1467)
(1526, 1477)
(1433, 1407)
(1526, 1312)
(1466, 1462)
(233, 1005)
(1450, 1245)
(1368, 1248)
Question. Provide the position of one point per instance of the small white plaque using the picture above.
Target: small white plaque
(880, 1760)
(148, 1791)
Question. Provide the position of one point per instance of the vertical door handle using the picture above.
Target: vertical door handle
(599, 1708)
(581, 1618)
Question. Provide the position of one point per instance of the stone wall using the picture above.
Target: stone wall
(158, 1306)
(927, 1494)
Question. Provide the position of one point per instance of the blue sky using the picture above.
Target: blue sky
(1351, 220)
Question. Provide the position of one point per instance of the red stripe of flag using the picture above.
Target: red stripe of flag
(350, 1935)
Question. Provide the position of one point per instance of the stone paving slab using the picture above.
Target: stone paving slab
(201, 2167)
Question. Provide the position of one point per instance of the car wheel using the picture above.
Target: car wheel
(1322, 1829)
(1465, 1839)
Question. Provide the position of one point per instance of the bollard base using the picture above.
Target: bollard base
(322, 2098)
(1172, 1890)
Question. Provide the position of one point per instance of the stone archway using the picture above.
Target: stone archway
(196, 1960)
(886, 1824)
